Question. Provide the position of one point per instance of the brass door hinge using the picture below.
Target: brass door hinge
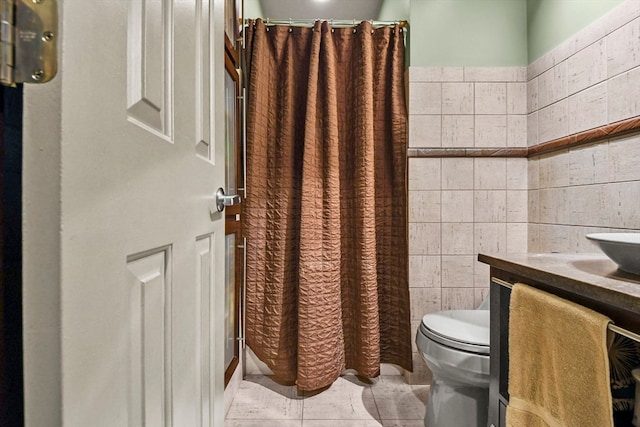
(28, 41)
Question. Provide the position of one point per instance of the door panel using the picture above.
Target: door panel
(149, 70)
(150, 325)
(230, 311)
(205, 350)
(203, 81)
(123, 299)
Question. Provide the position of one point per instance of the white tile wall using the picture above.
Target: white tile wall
(457, 238)
(552, 85)
(490, 237)
(424, 174)
(624, 95)
(517, 98)
(594, 187)
(532, 129)
(425, 98)
(491, 130)
(424, 206)
(490, 98)
(625, 201)
(457, 98)
(458, 298)
(517, 206)
(589, 164)
(424, 238)
(457, 271)
(517, 238)
(517, 130)
(457, 131)
(495, 74)
(553, 121)
(587, 67)
(436, 74)
(424, 301)
(425, 130)
(588, 109)
(590, 80)
(490, 206)
(517, 176)
(424, 271)
(490, 174)
(459, 206)
(462, 206)
(532, 95)
(623, 48)
(624, 155)
(457, 174)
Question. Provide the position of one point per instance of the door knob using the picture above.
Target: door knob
(222, 200)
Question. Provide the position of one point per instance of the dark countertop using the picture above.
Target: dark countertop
(592, 276)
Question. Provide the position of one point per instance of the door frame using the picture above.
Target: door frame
(233, 217)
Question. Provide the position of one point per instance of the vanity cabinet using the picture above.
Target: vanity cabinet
(589, 280)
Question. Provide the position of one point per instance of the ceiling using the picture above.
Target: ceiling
(321, 9)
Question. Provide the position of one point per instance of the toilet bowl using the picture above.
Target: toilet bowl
(455, 346)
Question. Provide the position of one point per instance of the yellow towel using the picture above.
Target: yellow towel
(558, 363)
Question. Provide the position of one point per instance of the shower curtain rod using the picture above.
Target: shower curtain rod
(346, 23)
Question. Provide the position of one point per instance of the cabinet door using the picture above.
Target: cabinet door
(499, 361)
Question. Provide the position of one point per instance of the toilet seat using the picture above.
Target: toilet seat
(465, 330)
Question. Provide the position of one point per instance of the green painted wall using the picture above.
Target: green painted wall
(550, 22)
(490, 33)
(252, 9)
(394, 10)
(468, 32)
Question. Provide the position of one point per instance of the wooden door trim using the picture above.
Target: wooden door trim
(233, 223)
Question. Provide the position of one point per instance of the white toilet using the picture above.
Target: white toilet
(455, 345)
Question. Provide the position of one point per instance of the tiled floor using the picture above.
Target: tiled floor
(389, 402)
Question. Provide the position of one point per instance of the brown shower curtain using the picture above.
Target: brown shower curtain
(326, 208)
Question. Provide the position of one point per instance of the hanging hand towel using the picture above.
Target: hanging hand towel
(558, 363)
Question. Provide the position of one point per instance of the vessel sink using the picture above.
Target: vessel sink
(622, 248)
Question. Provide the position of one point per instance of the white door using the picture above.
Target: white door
(123, 248)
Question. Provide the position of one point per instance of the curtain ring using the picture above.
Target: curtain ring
(354, 31)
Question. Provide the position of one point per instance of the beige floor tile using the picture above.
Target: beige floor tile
(341, 423)
(346, 399)
(261, 398)
(262, 423)
(397, 400)
(403, 423)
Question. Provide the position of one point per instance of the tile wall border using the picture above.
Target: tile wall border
(599, 134)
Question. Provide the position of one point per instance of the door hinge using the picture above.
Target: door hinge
(28, 41)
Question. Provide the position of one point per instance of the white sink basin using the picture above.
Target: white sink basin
(622, 248)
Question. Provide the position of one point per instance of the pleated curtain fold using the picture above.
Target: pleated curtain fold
(326, 208)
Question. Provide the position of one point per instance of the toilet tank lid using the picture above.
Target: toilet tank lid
(466, 326)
